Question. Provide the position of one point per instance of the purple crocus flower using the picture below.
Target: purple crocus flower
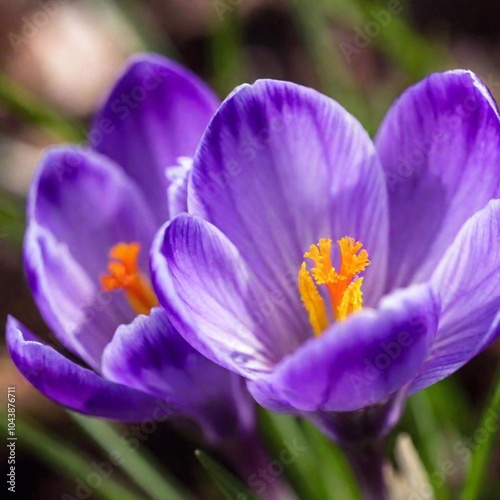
(336, 275)
(92, 215)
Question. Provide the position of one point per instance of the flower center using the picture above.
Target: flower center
(124, 274)
(344, 286)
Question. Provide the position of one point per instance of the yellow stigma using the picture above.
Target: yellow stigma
(344, 287)
(124, 274)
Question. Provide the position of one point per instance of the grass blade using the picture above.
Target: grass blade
(66, 458)
(12, 219)
(303, 473)
(335, 472)
(475, 481)
(227, 54)
(24, 104)
(231, 487)
(140, 467)
(428, 436)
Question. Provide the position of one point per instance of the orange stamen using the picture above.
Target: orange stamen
(344, 287)
(124, 274)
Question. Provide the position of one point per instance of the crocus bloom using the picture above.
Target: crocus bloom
(92, 215)
(336, 275)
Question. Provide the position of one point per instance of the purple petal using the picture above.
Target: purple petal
(467, 279)
(80, 205)
(440, 147)
(156, 112)
(72, 386)
(215, 301)
(149, 355)
(270, 396)
(356, 363)
(282, 166)
(87, 203)
(82, 318)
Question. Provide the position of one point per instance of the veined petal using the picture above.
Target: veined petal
(156, 112)
(88, 204)
(80, 206)
(440, 147)
(467, 279)
(82, 317)
(72, 386)
(215, 301)
(282, 166)
(149, 355)
(359, 362)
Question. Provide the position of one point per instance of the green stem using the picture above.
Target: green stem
(367, 461)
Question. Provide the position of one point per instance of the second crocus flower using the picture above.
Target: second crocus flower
(92, 215)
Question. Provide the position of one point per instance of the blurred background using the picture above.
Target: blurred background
(57, 59)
